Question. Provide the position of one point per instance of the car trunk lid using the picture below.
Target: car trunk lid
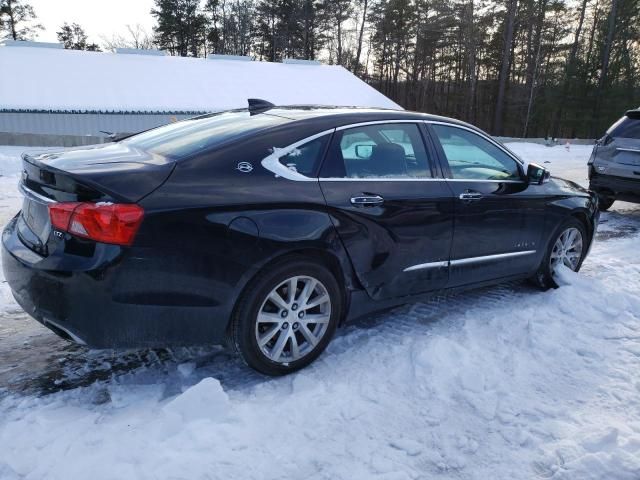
(105, 173)
(627, 151)
(623, 139)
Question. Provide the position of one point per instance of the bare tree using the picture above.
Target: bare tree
(356, 64)
(510, 16)
(606, 54)
(136, 37)
(569, 69)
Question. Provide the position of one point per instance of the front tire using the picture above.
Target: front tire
(568, 247)
(286, 316)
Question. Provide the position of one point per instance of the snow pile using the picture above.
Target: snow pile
(10, 162)
(562, 162)
(206, 400)
(506, 382)
(112, 82)
(512, 384)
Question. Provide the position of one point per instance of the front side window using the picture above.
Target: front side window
(471, 157)
(377, 151)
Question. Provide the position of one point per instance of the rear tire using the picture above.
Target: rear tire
(605, 202)
(561, 249)
(277, 333)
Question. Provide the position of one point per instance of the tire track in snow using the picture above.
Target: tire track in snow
(42, 363)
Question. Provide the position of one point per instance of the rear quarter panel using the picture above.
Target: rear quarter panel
(211, 227)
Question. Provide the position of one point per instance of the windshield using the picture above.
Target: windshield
(181, 139)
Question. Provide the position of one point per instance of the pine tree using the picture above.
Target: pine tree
(513, 67)
(16, 20)
(73, 37)
(181, 28)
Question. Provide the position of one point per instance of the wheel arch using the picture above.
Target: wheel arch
(583, 218)
(340, 268)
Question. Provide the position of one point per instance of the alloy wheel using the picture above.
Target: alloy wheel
(567, 250)
(293, 319)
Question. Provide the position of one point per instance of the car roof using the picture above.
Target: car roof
(310, 120)
(346, 115)
(324, 117)
(328, 117)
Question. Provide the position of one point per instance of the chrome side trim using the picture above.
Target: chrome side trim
(33, 195)
(467, 261)
(483, 181)
(625, 149)
(400, 179)
(488, 258)
(377, 122)
(422, 266)
(272, 162)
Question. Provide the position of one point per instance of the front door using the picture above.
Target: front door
(393, 217)
(498, 220)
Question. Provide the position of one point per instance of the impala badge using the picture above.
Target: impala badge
(244, 167)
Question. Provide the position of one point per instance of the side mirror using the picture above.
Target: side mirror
(364, 151)
(537, 175)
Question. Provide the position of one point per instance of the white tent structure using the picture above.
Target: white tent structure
(70, 92)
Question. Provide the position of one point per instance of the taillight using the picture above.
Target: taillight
(60, 214)
(115, 223)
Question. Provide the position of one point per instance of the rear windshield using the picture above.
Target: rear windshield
(181, 139)
(625, 128)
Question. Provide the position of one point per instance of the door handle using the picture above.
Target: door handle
(470, 196)
(367, 200)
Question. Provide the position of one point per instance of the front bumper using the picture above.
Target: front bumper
(93, 301)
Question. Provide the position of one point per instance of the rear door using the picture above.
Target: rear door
(391, 212)
(499, 219)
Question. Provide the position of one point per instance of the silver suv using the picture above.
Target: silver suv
(614, 166)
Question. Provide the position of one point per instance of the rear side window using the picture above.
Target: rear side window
(305, 159)
(394, 150)
(181, 139)
(625, 128)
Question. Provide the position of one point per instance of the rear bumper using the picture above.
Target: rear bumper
(622, 188)
(96, 301)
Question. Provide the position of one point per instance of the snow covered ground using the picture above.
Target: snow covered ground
(499, 383)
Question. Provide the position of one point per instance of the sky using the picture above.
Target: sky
(97, 17)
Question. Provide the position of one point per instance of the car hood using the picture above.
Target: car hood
(568, 186)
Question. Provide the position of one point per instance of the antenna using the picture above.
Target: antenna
(257, 105)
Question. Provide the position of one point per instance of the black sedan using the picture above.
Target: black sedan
(268, 227)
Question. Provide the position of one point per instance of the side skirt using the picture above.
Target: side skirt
(362, 305)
